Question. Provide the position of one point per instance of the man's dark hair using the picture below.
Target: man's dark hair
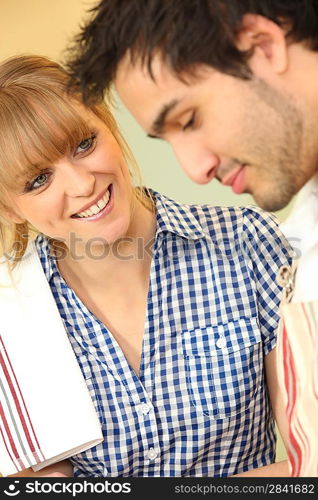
(184, 32)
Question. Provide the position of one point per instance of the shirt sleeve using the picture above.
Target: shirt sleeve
(267, 250)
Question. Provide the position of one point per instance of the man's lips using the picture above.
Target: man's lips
(229, 178)
(236, 179)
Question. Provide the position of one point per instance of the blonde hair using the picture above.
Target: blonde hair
(39, 122)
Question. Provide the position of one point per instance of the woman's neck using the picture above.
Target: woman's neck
(127, 258)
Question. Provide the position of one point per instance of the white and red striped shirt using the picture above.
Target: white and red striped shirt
(298, 342)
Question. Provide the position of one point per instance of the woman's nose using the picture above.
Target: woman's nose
(78, 181)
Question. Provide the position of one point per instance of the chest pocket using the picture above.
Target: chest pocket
(224, 366)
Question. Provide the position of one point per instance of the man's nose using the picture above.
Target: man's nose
(200, 164)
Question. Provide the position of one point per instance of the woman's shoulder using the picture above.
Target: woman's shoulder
(15, 271)
(219, 219)
(238, 222)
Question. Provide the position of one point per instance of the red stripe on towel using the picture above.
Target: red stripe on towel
(14, 388)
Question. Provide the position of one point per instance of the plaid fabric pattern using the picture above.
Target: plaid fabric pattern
(199, 405)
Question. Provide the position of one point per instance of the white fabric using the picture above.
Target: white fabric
(298, 341)
(45, 369)
(301, 229)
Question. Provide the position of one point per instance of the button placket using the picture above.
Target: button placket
(148, 425)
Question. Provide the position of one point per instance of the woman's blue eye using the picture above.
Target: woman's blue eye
(39, 181)
(85, 145)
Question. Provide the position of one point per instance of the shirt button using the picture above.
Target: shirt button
(143, 408)
(221, 343)
(152, 454)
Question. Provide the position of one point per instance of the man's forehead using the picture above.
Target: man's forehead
(135, 77)
(146, 95)
(153, 74)
(151, 97)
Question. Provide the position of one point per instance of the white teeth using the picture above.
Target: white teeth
(95, 209)
(101, 204)
(106, 196)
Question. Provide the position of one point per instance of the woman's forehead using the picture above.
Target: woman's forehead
(39, 144)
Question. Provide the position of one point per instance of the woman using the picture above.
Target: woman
(171, 309)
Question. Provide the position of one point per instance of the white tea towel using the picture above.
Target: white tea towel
(46, 412)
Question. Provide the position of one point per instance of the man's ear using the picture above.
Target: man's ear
(265, 39)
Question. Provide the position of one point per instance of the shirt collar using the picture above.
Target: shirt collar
(173, 217)
(301, 225)
(47, 259)
(176, 218)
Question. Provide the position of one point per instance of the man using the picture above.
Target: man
(231, 85)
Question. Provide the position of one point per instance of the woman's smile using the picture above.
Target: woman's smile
(97, 210)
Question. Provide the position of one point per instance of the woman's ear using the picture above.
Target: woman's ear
(12, 217)
(265, 40)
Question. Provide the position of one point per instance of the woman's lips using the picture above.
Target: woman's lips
(105, 211)
(87, 206)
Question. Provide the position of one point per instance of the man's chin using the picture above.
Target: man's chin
(272, 204)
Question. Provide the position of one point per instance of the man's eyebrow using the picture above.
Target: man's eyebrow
(159, 122)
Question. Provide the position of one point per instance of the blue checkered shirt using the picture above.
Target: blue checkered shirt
(199, 406)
